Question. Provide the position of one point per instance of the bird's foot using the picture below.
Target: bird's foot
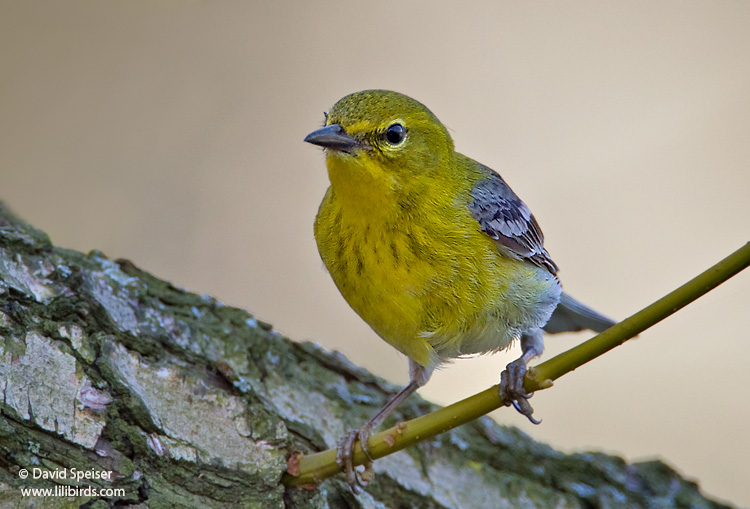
(512, 391)
(345, 458)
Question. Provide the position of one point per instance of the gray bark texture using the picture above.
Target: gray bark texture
(190, 403)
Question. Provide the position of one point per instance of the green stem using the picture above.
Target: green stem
(316, 467)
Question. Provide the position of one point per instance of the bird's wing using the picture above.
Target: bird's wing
(508, 221)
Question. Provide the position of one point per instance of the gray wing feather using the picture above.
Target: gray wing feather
(571, 315)
(507, 220)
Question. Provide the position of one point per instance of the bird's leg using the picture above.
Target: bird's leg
(345, 447)
(511, 379)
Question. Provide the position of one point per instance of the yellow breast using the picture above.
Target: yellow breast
(420, 272)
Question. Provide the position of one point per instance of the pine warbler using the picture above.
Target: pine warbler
(432, 249)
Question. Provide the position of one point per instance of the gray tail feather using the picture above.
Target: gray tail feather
(571, 315)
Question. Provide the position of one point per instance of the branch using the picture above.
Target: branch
(316, 467)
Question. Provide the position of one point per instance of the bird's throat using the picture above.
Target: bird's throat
(360, 185)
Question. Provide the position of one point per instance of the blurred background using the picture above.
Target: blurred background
(170, 133)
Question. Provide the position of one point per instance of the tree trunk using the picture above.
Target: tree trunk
(119, 389)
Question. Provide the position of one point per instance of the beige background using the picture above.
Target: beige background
(171, 133)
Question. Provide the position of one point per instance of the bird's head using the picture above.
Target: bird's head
(382, 137)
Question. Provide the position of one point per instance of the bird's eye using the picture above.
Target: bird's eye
(395, 134)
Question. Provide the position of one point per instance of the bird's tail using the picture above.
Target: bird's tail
(571, 315)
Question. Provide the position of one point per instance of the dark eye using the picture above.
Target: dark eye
(395, 134)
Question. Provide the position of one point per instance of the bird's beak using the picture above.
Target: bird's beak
(334, 137)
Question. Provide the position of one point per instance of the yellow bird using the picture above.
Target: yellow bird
(432, 249)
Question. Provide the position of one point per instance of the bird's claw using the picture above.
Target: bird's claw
(345, 459)
(512, 391)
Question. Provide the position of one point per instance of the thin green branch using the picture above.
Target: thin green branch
(316, 467)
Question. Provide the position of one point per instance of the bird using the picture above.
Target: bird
(433, 250)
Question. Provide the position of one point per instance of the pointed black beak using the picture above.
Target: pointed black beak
(334, 137)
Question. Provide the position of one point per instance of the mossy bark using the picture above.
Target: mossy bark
(190, 403)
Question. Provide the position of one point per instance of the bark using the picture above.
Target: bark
(190, 403)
